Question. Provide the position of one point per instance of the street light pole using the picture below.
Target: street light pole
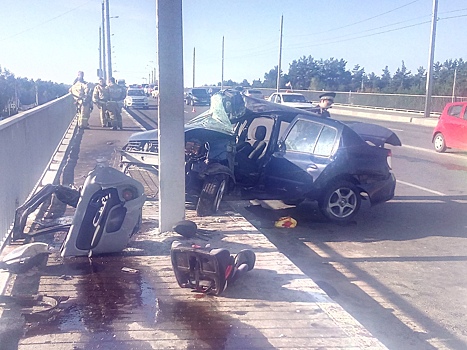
(99, 75)
(280, 58)
(104, 65)
(109, 48)
(429, 83)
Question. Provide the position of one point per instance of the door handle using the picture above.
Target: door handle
(311, 167)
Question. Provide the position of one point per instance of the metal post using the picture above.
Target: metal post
(222, 74)
(104, 64)
(170, 113)
(109, 48)
(280, 58)
(100, 53)
(454, 85)
(194, 65)
(429, 84)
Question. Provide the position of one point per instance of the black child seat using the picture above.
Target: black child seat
(208, 270)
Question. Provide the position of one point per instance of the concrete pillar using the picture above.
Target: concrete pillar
(170, 113)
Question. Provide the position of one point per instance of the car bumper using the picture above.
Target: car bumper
(380, 191)
(137, 104)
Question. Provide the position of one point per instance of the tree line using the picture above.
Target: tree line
(308, 73)
(16, 93)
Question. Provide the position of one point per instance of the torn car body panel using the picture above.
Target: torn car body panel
(107, 215)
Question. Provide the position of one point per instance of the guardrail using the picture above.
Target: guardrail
(399, 102)
(28, 142)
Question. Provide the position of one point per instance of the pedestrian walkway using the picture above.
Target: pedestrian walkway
(132, 300)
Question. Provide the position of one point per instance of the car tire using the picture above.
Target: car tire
(211, 195)
(340, 202)
(439, 143)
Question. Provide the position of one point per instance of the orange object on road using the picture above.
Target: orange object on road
(286, 222)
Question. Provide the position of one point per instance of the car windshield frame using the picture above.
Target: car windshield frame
(135, 92)
(200, 92)
(294, 98)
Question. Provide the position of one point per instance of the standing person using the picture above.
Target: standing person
(325, 102)
(81, 92)
(116, 95)
(100, 97)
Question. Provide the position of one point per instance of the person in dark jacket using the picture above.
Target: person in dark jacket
(325, 102)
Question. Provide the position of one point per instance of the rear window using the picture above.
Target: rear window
(199, 92)
(455, 111)
(135, 93)
(293, 98)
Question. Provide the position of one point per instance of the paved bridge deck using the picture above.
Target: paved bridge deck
(274, 306)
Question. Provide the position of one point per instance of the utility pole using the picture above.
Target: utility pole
(454, 85)
(429, 83)
(280, 58)
(99, 75)
(194, 65)
(104, 65)
(107, 34)
(222, 73)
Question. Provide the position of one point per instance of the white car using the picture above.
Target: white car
(136, 98)
(254, 93)
(291, 99)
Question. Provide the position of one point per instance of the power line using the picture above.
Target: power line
(362, 36)
(47, 21)
(361, 21)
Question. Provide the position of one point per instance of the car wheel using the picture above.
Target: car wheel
(211, 195)
(440, 143)
(340, 202)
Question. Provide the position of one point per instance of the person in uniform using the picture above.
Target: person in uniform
(116, 95)
(100, 97)
(81, 92)
(325, 102)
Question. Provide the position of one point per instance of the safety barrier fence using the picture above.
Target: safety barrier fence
(398, 102)
(28, 142)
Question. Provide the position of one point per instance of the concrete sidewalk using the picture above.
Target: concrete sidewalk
(274, 306)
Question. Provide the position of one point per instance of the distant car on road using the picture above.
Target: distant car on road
(451, 130)
(291, 99)
(136, 98)
(197, 96)
(254, 93)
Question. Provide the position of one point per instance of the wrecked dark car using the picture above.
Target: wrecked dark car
(268, 151)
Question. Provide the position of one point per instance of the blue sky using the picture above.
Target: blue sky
(53, 39)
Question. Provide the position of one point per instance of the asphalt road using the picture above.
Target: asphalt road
(399, 267)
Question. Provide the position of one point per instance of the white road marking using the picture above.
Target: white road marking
(458, 156)
(421, 188)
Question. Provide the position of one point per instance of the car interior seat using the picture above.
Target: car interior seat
(259, 145)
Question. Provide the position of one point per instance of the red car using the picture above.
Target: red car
(451, 131)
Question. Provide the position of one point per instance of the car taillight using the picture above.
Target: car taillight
(129, 194)
(389, 158)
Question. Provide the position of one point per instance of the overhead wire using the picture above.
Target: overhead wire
(45, 22)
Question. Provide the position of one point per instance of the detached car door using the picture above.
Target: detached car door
(302, 155)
